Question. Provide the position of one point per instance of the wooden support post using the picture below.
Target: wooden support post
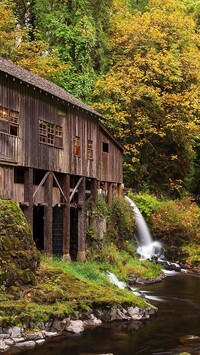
(66, 219)
(28, 196)
(119, 190)
(98, 185)
(110, 193)
(81, 221)
(105, 186)
(94, 191)
(48, 215)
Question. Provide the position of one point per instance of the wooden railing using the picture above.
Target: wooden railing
(8, 147)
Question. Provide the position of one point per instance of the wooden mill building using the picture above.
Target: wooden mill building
(54, 155)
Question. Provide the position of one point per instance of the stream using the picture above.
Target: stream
(175, 329)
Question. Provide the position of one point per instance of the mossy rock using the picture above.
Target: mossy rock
(19, 258)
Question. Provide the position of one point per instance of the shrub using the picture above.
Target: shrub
(121, 224)
(146, 203)
(176, 223)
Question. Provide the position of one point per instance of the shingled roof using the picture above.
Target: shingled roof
(49, 87)
(43, 84)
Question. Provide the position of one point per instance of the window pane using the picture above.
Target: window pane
(90, 149)
(105, 147)
(4, 126)
(58, 131)
(43, 131)
(50, 137)
(4, 113)
(77, 146)
(14, 116)
(13, 130)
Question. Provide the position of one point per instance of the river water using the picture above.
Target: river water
(175, 329)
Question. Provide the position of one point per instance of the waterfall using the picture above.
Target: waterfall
(122, 285)
(114, 280)
(148, 248)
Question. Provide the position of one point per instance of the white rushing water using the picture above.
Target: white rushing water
(122, 285)
(114, 280)
(148, 247)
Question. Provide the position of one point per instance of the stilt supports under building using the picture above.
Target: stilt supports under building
(28, 196)
(66, 219)
(81, 221)
(93, 188)
(48, 215)
(110, 193)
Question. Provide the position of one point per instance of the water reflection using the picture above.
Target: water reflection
(176, 328)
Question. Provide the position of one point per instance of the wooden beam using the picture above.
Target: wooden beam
(94, 192)
(98, 184)
(81, 221)
(110, 193)
(48, 215)
(66, 218)
(61, 191)
(119, 190)
(28, 196)
(76, 187)
(41, 182)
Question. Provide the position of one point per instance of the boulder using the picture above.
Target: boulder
(75, 326)
(25, 345)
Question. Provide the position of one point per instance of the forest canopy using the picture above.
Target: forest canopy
(136, 62)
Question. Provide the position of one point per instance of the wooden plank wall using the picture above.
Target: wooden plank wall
(85, 126)
(8, 147)
(33, 105)
(110, 163)
(6, 182)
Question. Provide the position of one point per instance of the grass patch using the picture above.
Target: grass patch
(62, 288)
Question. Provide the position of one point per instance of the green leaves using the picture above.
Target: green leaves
(150, 94)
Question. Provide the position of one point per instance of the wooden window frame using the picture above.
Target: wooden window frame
(90, 149)
(42, 131)
(50, 134)
(12, 118)
(105, 147)
(77, 146)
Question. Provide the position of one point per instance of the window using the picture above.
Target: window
(4, 113)
(43, 131)
(9, 121)
(90, 150)
(58, 136)
(105, 147)
(50, 134)
(76, 147)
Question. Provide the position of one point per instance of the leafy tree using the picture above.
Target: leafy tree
(8, 29)
(151, 93)
(16, 45)
(76, 30)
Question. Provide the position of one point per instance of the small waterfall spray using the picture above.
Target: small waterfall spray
(148, 248)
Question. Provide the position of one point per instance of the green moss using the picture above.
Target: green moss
(62, 288)
(19, 257)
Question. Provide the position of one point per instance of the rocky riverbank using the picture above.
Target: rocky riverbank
(18, 339)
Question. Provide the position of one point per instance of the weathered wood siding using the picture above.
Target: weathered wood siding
(8, 148)
(25, 149)
(33, 105)
(6, 182)
(83, 125)
(110, 163)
